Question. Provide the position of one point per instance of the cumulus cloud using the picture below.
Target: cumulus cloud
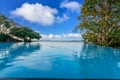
(51, 36)
(71, 5)
(62, 36)
(74, 35)
(62, 19)
(38, 13)
(37, 31)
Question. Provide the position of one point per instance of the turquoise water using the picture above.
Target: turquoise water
(68, 60)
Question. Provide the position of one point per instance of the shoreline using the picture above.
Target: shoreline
(61, 40)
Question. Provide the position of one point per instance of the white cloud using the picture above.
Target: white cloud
(74, 35)
(37, 31)
(58, 36)
(71, 5)
(38, 13)
(51, 36)
(62, 36)
(62, 19)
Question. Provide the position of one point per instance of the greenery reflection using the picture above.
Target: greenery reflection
(10, 51)
(91, 57)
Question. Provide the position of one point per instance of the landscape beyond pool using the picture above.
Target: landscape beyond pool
(71, 60)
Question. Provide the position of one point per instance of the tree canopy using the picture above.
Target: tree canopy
(15, 29)
(24, 32)
(5, 38)
(7, 22)
(100, 21)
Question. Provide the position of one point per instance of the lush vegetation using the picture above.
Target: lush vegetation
(5, 38)
(100, 22)
(9, 29)
(7, 22)
(24, 32)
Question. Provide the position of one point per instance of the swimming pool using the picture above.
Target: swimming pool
(68, 60)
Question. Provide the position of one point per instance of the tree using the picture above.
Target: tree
(2, 19)
(7, 24)
(4, 37)
(16, 30)
(24, 32)
(99, 20)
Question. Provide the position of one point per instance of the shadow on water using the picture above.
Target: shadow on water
(10, 51)
(98, 62)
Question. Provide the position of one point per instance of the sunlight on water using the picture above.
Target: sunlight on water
(58, 60)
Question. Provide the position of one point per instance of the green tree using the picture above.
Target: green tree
(24, 32)
(4, 37)
(2, 19)
(100, 21)
(7, 24)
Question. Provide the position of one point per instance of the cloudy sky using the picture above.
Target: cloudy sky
(53, 19)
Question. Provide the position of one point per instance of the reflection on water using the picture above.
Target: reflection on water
(10, 51)
(58, 60)
(98, 62)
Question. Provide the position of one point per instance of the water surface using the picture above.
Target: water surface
(69, 60)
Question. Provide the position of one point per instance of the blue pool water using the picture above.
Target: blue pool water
(68, 60)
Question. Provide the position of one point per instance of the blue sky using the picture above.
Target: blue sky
(54, 19)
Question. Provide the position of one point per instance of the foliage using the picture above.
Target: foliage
(16, 30)
(4, 37)
(100, 21)
(7, 22)
(24, 32)
(2, 19)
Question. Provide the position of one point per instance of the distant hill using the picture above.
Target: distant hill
(7, 22)
(12, 31)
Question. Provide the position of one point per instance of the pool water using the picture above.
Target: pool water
(68, 60)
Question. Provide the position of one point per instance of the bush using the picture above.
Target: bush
(5, 38)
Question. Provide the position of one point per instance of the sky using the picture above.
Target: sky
(53, 19)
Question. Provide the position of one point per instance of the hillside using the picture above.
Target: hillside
(11, 31)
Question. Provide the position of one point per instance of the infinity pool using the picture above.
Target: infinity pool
(68, 60)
